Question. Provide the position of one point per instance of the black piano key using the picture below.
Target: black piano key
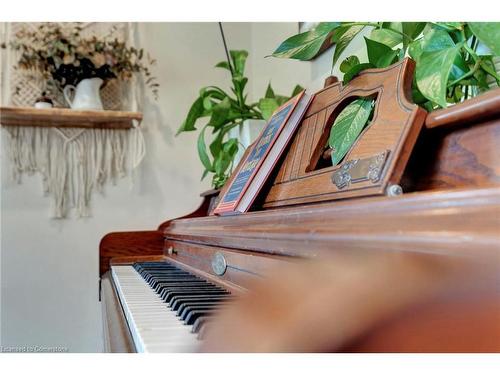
(177, 302)
(186, 290)
(193, 298)
(155, 282)
(196, 314)
(195, 305)
(149, 276)
(162, 284)
(168, 297)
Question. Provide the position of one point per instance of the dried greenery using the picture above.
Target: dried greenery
(63, 56)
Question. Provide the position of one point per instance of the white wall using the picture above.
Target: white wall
(49, 268)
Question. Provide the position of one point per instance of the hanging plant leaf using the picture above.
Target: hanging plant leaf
(202, 151)
(348, 63)
(386, 36)
(195, 112)
(379, 54)
(342, 38)
(436, 40)
(433, 71)
(488, 33)
(412, 30)
(220, 113)
(224, 159)
(305, 46)
(347, 127)
(355, 70)
(489, 67)
(450, 26)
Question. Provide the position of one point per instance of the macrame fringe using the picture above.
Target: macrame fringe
(73, 162)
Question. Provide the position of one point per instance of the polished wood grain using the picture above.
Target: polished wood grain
(242, 267)
(64, 117)
(461, 222)
(127, 244)
(394, 128)
(478, 109)
(455, 157)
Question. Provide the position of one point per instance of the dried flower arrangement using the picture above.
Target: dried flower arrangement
(65, 57)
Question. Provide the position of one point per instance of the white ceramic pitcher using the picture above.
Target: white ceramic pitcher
(86, 94)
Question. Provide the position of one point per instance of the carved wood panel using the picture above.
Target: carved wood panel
(377, 158)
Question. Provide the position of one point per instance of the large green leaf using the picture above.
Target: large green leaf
(195, 112)
(347, 127)
(202, 151)
(434, 40)
(305, 46)
(342, 37)
(437, 39)
(379, 54)
(433, 71)
(488, 33)
(386, 36)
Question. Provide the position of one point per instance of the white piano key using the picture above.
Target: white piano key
(153, 325)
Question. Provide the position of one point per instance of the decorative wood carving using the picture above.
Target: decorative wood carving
(382, 149)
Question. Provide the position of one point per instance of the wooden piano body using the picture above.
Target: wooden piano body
(450, 209)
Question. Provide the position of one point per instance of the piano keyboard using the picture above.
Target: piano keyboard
(167, 308)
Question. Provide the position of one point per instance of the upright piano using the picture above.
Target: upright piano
(163, 290)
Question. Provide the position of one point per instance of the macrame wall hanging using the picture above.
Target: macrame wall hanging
(73, 162)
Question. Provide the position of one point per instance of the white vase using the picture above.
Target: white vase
(246, 134)
(86, 94)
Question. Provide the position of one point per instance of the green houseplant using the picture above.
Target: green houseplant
(454, 61)
(224, 112)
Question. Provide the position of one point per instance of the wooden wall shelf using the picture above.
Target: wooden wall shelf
(64, 117)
